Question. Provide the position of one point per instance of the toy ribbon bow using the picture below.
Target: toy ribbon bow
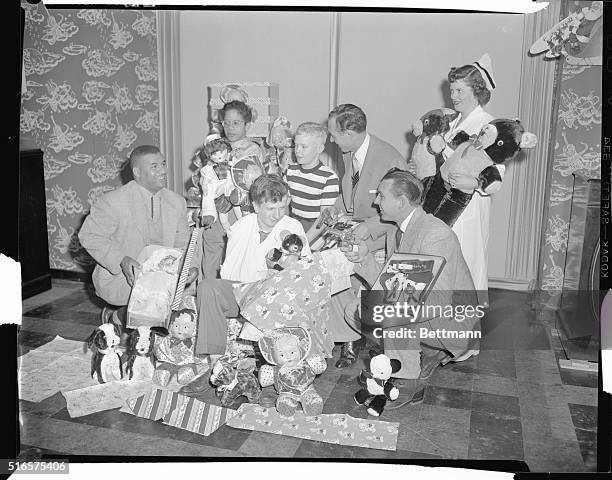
(177, 341)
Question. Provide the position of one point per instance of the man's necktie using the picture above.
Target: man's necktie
(398, 239)
(355, 177)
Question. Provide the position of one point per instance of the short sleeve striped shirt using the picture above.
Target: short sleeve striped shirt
(311, 191)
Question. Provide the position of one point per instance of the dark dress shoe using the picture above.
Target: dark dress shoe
(430, 363)
(349, 352)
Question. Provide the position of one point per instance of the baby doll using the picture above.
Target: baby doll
(215, 180)
(280, 140)
(175, 352)
(292, 371)
(290, 252)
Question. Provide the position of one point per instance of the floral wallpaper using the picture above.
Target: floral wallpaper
(91, 97)
(576, 149)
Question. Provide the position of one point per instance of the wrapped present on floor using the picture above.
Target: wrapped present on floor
(262, 97)
(154, 287)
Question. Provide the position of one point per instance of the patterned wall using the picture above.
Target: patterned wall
(577, 149)
(91, 78)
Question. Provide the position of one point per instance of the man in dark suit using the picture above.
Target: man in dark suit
(398, 198)
(366, 159)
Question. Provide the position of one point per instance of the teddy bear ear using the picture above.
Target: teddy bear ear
(528, 140)
(396, 365)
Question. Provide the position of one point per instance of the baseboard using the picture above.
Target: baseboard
(84, 277)
(509, 284)
(35, 286)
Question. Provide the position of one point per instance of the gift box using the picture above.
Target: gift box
(154, 287)
(262, 97)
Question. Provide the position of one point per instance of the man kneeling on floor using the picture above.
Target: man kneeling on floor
(411, 230)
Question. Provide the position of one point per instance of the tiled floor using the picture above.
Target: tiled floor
(512, 402)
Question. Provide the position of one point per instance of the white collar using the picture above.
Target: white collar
(404, 224)
(362, 151)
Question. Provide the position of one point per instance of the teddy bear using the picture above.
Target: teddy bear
(376, 385)
(105, 361)
(430, 129)
(292, 370)
(175, 351)
(499, 141)
(234, 377)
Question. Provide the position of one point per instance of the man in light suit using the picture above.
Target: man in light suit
(124, 221)
(366, 159)
(398, 200)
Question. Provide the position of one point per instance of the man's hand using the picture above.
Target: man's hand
(129, 266)
(356, 255)
(207, 221)
(191, 276)
(462, 182)
(361, 232)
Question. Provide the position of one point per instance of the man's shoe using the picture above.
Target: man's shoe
(350, 352)
(461, 358)
(430, 363)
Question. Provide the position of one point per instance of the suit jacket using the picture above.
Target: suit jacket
(380, 158)
(115, 228)
(427, 235)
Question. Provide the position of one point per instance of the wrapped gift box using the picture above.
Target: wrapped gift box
(154, 287)
(262, 97)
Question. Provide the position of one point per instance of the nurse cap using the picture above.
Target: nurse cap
(484, 66)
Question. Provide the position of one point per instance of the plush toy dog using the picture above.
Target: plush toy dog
(291, 249)
(139, 357)
(105, 361)
(377, 388)
(498, 141)
(175, 351)
(235, 378)
(427, 151)
(292, 371)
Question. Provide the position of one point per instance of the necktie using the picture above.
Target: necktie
(152, 209)
(355, 177)
(398, 239)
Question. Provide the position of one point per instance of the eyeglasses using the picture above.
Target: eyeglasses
(233, 123)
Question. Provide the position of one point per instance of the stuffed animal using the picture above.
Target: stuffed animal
(498, 141)
(292, 371)
(234, 378)
(427, 151)
(139, 358)
(175, 351)
(377, 388)
(105, 361)
(290, 251)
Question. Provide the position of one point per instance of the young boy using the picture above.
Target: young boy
(312, 185)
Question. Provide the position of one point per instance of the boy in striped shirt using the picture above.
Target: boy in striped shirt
(312, 186)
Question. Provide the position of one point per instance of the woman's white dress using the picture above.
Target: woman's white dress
(472, 226)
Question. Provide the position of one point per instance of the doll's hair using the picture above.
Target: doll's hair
(349, 117)
(314, 130)
(473, 79)
(268, 188)
(217, 145)
(406, 184)
(242, 108)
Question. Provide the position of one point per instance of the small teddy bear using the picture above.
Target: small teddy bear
(105, 361)
(498, 141)
(291, 371)
(377, 388)
(175, 351)
(234, 378)
(426, 155)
